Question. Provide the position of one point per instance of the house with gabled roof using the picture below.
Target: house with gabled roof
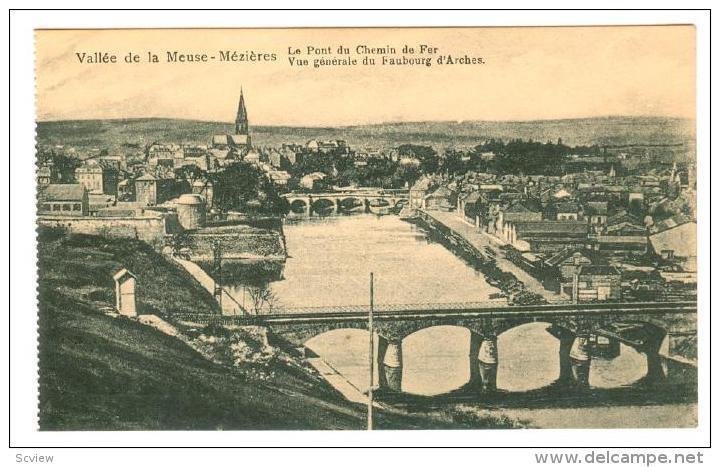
(566, 211)
(598, 283)
(546, 236)
(525, 209)
(568, 261)
(63, 199)
(443, 199)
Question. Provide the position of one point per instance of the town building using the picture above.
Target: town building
(240, 141)
(312, 181)
(67, 199)
(442, 199)
(597, 283)
(44, 176)
(568, 261)
(152, 190)
(146, 188)
(567, 211)
(336, 146)
(205, 189)
(418, 191)
(470, 206)
(522, 209)
(96, 178)
(545, 236)
(596, 213)
(98, 201)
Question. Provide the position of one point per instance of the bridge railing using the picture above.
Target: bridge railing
(388, 307)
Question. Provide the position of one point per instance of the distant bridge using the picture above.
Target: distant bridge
(660, 330)
(343, 201)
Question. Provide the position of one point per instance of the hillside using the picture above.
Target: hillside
(82, 267)
(103, 373)
(584, 131)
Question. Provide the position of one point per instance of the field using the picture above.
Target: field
(112, 134)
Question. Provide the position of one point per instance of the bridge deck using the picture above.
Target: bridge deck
(450, 311)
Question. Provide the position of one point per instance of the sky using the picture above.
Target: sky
(528, 74)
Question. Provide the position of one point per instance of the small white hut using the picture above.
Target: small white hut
(125, 292)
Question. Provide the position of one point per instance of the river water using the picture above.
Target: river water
(329, 263)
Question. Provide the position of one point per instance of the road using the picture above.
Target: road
(480, 240)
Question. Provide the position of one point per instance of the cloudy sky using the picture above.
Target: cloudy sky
(529, 73)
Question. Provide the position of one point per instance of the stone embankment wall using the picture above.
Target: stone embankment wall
(250, 245)
(149, 229)
(512, 288)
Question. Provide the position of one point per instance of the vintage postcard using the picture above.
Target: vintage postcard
(367, 228)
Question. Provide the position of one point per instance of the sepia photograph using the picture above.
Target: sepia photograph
(446, 228)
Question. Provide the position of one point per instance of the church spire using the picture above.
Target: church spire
(241, 120)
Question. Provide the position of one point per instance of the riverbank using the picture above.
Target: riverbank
(481, 253)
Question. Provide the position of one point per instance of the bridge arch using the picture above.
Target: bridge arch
(298, 334)
(351, 203)
(298, 205)
(530, 355)
(323, 205)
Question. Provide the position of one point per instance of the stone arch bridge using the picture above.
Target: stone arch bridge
(662, 331)
(349, 201)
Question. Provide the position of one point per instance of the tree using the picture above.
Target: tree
(453, 163)
(243, 187)
(429, 160)
(191, 173)
(406, 175)
(180, 243)
(262, 298)
(63, 166)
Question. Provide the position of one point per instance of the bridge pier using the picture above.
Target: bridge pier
(488, 363)
(656, 369)
(656, 365)
(392, 366)
(475, 382)
(566, 377)
(580, 360)
(380, 361)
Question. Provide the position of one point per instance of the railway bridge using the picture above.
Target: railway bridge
(663, 331)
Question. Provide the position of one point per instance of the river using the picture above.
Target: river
(330, 259)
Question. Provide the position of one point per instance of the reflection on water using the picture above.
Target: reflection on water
(435, 360)
(331, 259)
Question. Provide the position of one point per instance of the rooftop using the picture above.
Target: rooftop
(551, 227)
(63, 192)
(598, 270)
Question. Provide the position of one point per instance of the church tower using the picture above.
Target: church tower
(241, 120)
